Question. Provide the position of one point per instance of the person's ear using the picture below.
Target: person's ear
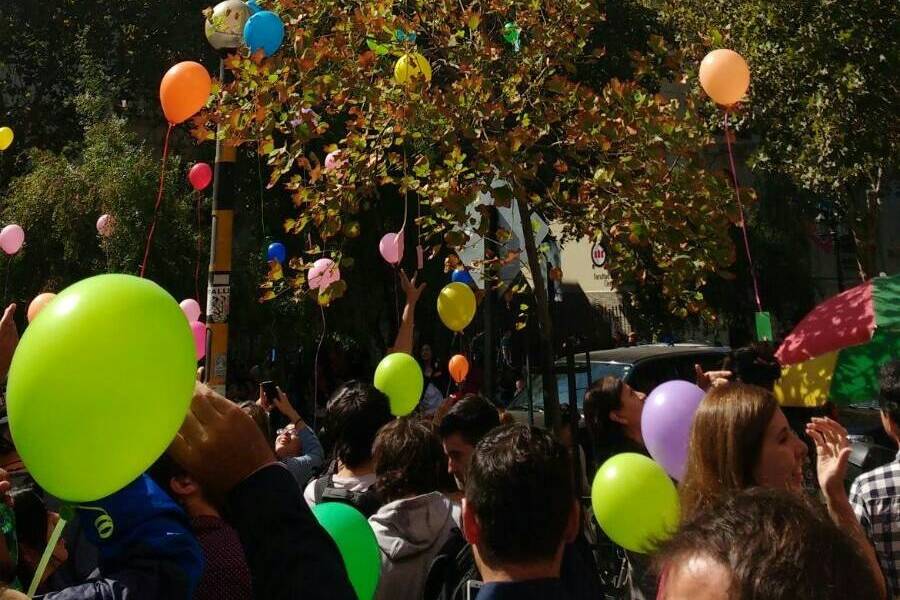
(183, 485)
(471, 527)
(616, 417)
(574, 523)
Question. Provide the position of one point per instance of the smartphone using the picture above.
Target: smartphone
(270, 390)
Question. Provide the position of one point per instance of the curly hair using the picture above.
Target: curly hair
(408, 459)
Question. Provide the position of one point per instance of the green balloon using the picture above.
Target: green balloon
(399, 377)
(99, 385)
(356, 542)
(635, 502)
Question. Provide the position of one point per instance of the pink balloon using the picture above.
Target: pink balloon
(105, 225)
(323, 273)
(199, 331)
(391, 247)
(200, 176)
(333, 160)
(11, 239)
(191, 309)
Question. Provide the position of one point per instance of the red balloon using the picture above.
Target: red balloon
(200, 176)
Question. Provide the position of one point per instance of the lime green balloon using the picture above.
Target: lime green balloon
(635, 502)
(399, 377)
(356, 542)
(99, 385)
(456, 306)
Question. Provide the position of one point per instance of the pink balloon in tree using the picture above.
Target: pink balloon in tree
(191, 309)
(323, 273)
(105, 225)
(11, 239)
(333, 161)
(391, 247)
(200, 176)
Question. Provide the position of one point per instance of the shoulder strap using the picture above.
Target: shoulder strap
(322, 483)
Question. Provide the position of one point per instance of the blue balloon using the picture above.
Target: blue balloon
(462, 276)
(254, 7)
(277, 252)
(264, 30)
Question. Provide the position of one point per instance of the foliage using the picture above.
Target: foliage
(582, 149)
(823, 98)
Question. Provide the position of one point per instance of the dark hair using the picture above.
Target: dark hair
(163, 470)
(889, 398)
(259, 416)
(521, 490)
(755, 365)
(608, 437)
(776, 545)
(353, 416)
(472, 417)
(408, 459)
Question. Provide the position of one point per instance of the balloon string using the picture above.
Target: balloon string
(159, 195)
(199, 250)
(316, 368)
(45, 558)
(737, 193)
(6, 278)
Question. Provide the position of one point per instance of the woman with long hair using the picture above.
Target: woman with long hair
(740, 439)
(612, 413)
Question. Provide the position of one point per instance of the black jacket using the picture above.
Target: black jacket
(289, 554)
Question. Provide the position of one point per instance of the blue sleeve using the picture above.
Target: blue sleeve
(303, 467)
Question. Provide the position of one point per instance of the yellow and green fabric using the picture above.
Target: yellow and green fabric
(836, 351)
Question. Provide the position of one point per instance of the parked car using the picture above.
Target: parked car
(642, 367)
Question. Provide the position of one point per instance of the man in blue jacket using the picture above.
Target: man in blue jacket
(519, 512)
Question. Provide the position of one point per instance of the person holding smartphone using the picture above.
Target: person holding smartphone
(296, 445)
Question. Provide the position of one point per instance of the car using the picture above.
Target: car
(642, 367)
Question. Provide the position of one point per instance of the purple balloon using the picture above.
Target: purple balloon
(666, 424)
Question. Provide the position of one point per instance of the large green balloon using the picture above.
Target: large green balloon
(356, 542)
(399, 377)
(635, 502)
(99, 385)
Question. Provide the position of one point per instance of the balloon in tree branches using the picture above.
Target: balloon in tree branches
(459, 368)
(198, 330)
(666, 424)
(356, 542)
(399, 377)
(225, 26)
(254, 7)
(391, 247)
(635, 502)
(11, 238)
(456, 306)
(38, 304)
(191, 309)
(725, 76)
(105, 225)
(333, 161)
(277, 252)
(184, 90)
(6, 138)
(265, 31)
(411, 67)
(200, 176)
(109, 368)
(323, 273)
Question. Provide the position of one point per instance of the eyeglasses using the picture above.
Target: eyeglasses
(290, 432)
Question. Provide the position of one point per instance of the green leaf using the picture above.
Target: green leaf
(378, 49)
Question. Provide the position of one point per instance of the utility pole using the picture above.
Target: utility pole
(224, 30)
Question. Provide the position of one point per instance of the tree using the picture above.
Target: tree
(517, 91)
(823, 99)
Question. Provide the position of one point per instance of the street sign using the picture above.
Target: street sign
(598, 255)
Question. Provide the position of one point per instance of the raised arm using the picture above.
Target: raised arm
(404, 341)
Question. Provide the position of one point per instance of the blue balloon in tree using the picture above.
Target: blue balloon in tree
(277, 252)
(462, 276)
(254, 7)
(264, 30)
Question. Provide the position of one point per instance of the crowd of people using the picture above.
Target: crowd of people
(463, 503)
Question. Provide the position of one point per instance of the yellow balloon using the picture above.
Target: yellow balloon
(6, 138)
(725, 76)
(412, 66)
(456, 306)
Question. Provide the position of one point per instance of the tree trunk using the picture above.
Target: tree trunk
(545, 327)
(863, 212)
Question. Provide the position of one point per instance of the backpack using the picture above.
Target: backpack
(450, 570)
(365, 502)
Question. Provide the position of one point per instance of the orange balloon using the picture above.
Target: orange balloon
(38, 304)
(725, 76)
(459, 368)
(184, 90)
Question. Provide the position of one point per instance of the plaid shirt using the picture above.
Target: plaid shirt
(875, 497)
